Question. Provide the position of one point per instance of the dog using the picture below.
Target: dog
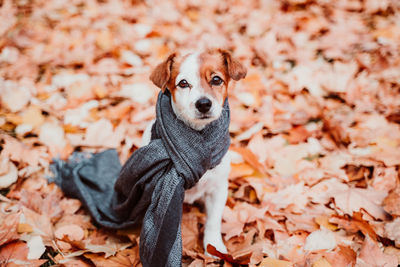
(198, 83)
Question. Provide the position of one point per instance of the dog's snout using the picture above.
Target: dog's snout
(203, 105)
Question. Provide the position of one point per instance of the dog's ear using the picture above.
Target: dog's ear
(235, 69)
(161, 74)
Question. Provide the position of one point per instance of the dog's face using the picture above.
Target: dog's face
(198, 83)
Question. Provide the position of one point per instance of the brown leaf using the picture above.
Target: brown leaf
(250, 158)
(70, 232)
(298, 134)
(355, 199)
(17, 253)
(242, 260)
(391, 202)
(240, 170)
(190, 231)
(8, 228)
(355, 224)
(372, 255)
(271, 262)
(125, 258)
(8, 172)
(341, 256)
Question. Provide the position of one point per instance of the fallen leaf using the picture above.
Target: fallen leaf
(8, 228)
(213, 251)
(8, 172)
(322, 262)
(372, 255)
(17, 253)
(392, 231)
(109, 248)
(391, 202)
(14, 96)
(24, 228)
(70, 232)
(190, 231)
(323, 221)
(320, 239)
(127, 257)
(240, 170)
(271, 262)
(35, 246)
(341, 256)
(137, 92)
(355, 224)
(52, 135)
(355, 199)
(250, 158)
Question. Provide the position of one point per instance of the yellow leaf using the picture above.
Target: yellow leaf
(68, 128)
(270, 262)
(383, 142)
(104, 40)
(43, 96)
(324, 221)
(240, 170)
(193, 15)
(322, 262)
(13, 118)
(100, 91)
(24, 228)
(33, 116)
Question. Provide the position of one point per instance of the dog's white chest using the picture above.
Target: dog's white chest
(212, 181)
(212, 190)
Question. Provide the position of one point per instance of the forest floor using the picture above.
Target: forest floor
(315, 125)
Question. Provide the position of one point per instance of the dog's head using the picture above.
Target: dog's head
(198, 83)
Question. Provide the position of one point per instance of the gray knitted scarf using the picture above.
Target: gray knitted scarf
(149, 189)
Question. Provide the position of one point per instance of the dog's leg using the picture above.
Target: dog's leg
(214, 204)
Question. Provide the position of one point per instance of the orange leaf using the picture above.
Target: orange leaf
(271, 262)
(241, 260)
(250, 158)
(125, 258)
(355, 224)
(372, 255)
(240, 170)
(8, 228)
(17, 252)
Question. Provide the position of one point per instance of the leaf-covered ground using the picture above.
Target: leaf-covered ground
(315, 125)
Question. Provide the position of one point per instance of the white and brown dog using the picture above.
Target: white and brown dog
(198, 83)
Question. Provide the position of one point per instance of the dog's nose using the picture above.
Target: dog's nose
(203, 105)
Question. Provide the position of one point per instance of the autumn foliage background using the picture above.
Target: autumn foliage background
(315, 125)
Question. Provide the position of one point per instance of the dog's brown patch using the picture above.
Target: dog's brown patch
(212, 62)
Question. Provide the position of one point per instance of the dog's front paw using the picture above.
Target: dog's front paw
(216, 241)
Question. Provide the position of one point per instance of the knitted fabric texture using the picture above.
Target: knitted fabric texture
(149, 188)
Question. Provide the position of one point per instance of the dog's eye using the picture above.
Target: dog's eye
(216, 80)
(183, 84)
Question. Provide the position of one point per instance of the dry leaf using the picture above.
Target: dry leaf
(8, 228)
(320, 239)
(355, 199)
(127, 257)
(35, 246)
(391, 202)
(315, 124)
(270, 262)
(372, 255)
(355, 224)
(70, 232)
(392, 231)
(341, 256)
(8, 172)
(17, 253)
